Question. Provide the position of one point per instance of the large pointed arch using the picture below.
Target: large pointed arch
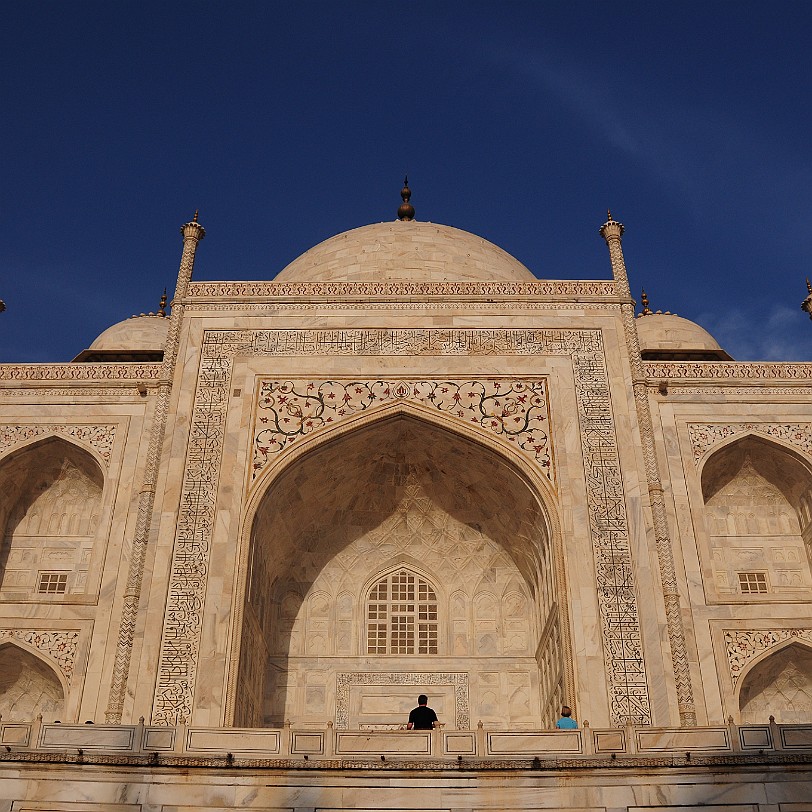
(430, 429)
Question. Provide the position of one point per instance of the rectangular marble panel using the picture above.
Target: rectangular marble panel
(307, 743)
(700, 738)
(800, 736)
(88, 737)
(72, 806)
(755, 737)
(232, 741)
(159, 738)
(15, 734)
(502, 744)
(610, 741)
(412, 742)
(705, 808)
(460, 744)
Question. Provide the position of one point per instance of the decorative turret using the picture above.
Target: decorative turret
(406, 210)
(612, 231)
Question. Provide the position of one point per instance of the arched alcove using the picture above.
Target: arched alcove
(756, 494)
(399, 495)
(28, 687)
(779, 685)
(50, 501)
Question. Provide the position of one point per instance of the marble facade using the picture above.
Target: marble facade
(404, 466)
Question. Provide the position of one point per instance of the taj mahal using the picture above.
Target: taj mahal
(241, 534)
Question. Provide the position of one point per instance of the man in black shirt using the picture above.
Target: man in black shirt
(422, 717)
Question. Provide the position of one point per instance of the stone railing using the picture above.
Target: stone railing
(293, 744)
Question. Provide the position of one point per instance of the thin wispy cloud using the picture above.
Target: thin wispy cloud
(757, 335)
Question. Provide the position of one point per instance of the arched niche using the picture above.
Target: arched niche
(757, 497)
(50, 502)
(28, 686)
(778, 685)
(398, 492)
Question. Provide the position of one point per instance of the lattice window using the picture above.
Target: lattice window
(402, 615)
(753, 583)
(52, 583)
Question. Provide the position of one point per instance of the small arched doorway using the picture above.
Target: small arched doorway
(442, 515)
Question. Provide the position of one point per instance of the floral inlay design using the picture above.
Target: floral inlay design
(100, 437)
(514, 409)
(706, 435)
(742, 646)
(58, 646)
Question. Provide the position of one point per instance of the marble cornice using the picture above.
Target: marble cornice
(696, 762)
(74, 372)
(555, 290)
(735, 372)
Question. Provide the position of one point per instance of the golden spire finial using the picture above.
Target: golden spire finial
(644, 301)
(808, 285)
(194, 219)
(406, 210)
(162, 305)
(609, 216)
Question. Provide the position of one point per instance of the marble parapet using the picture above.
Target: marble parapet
(483, 746)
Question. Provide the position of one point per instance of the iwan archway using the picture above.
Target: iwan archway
(402, 557)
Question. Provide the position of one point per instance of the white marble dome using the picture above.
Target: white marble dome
(144, 333)
(664, 335)
(405, 250)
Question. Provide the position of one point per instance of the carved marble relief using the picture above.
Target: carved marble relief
(620, 624)
(100, 437)
(706, 435)
(743, 646)
(345, 682)
(58, 647)
(514, 409)
(542, 287)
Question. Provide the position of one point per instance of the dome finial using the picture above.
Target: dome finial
(162, 305)
(644, 301)
(194, 219)
(609, 216)
(806, 305)
(406, 210)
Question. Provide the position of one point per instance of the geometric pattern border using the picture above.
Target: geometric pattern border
(289, 410)
(743, 646)
(706, 435)
(606, 506)
(462, 716)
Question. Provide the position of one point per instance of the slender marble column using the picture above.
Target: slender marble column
(612, 232)
(192, 233)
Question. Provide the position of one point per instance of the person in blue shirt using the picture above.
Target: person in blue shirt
(566, 722)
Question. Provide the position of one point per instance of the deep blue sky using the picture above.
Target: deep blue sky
(286, 123)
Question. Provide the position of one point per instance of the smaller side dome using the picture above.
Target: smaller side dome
(139, 338)
(666, 337)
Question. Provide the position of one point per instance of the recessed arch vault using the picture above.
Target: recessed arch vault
(397, 487)
(778, 684)
(29, 685)
(50, 506)
(758, 509)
